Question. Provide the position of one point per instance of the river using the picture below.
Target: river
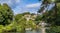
(33, 31)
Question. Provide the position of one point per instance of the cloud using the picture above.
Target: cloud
(11, 3)
(17, 10)
(17, 1)
(33, 5)
(18, 6)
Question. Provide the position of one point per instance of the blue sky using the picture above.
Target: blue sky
(20, 6)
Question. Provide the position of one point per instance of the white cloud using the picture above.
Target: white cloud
(5, 1)
(17, 1)
(17, 10)
(10, 2)
(33, 5)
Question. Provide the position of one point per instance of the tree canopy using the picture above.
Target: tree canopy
(6, 14)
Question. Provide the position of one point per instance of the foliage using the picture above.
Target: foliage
(6, 14)
(18, 16)
(39, 18)
(52, 16)
(10, 27)
(22, 23)
(31, 24)
(26, 13)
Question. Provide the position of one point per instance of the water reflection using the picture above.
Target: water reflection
(27, 31)
(33, 31)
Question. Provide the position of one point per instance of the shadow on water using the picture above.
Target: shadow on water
(33, 31)
(27, 31)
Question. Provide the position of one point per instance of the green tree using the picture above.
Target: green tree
(6, 14)
(52, 16)
(22, 23)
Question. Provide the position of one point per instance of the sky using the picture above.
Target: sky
(21, 6)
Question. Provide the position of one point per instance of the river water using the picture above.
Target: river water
(33, 31)
(27, 31)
